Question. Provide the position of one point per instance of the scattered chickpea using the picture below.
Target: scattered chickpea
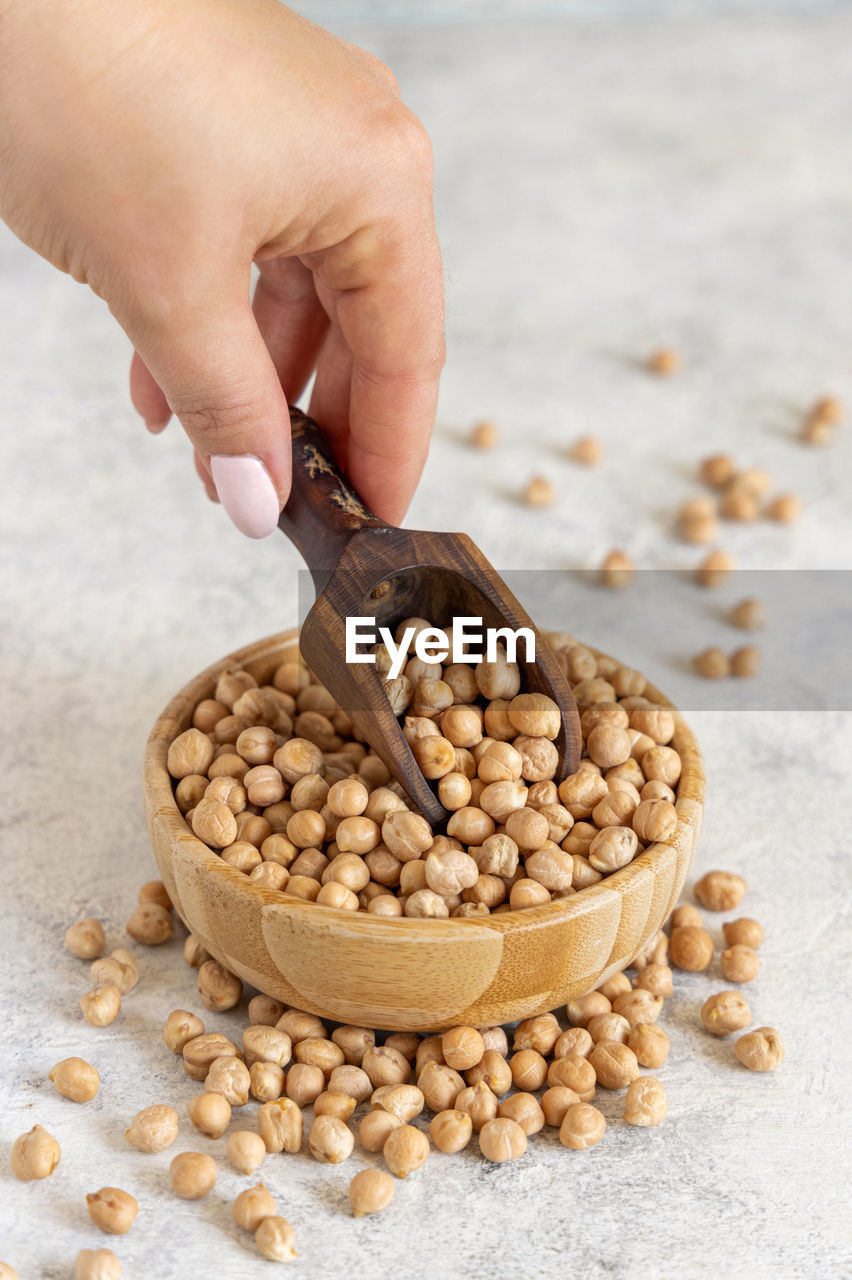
(119, 967)
(151, 924)
(370, 1191)
(786, 508)
(462, 1048)
(101, 1006)
(180, 1027)
(582, 1127)
(746, 661)
(760, 1050)
(748, 614)
(539, 492)
(330, 1140)
(724, 1012)
(525, 1110)
(34, 1155)
(712, 663)
(274, 1239)
(484, 434)
(715, 569)
(743, 932)
(210, 1113)
(650, 1044)
(586, 450)
(690, 948)
(218, 988)
(252, 1206)
(192, 1175)
(90, 1264)
(230, 1077)
(720, 890)
(406, 1150)
(664, 362)
(617, 569)
(112, 1210)
(245, 1150)
(76, 1079)
(375, 1127)
(615, 1065)
(201, 1051)
(153, 1129)
(684, 915)
(194, 953)
(502, 1139)
(739, 503)
(451, 1130)
(739, 963)
(717, 470)
(281, 1125)
(574, 1073)
(86, 939)
(645, 1102)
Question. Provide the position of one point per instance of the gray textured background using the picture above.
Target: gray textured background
(602, 187)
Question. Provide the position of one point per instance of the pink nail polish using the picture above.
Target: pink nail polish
(246, 492)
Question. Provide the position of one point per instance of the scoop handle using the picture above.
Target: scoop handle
(323, 510)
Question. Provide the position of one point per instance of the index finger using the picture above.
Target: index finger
(387, 308)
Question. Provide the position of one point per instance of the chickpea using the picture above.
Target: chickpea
(640, 1005)
(267, 1081)
(712, 663)
(245, 1150)
(650, 1044)
(101, 1006)
(218, 988)
(608, 1026)
(617, 569)
(403, 1100)
(686, 916)
(385, 1065)
(406, 1150)
(555, 1101)
(112, 1210)
(529, 1070)
(690, 948)
(180, 1027)
(204, 1049)
(263, 1043)
(330, 1140)
(192, 1175)
(119, 968)
(305, 1083)
(748, 615)
(502, 1139)
(576, 1042)
(451, 1130)
(478, 1102)
(743, 932)
(524, 1109)
(86, 939)
(153, 1129)
(194, 953)
(301, 1026)
(739, 963)
(498, 679)
(720, 890)
(645, 1102)
(375, 1127)
(231, 1078)
(527, 893)
(462, 1048)
(34, 1155)
(210, 1113)
(615, 1065)
(354, 1041)
(574, 1073)
(253, 1205)
(582, 1127)
(190, 752)
(724, 1012)
(76, 1079)
(150, 924)
(370, 1191)
(274, 1239)
(656, 978)
(440, 1086)
(494, 1070)
(339, 1105)
(760, 1050)
(90, 1264)
(317, 1052)
(280, 1125)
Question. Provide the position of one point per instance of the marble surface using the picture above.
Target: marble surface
(602, 188)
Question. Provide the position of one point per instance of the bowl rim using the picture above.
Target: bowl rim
(163, 810)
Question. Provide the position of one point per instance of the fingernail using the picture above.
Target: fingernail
(246, 492)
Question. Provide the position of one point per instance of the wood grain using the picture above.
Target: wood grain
(402, 974)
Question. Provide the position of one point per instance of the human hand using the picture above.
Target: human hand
(155, 150)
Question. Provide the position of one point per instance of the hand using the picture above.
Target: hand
(156, 150)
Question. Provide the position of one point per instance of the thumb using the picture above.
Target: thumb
(219, 380)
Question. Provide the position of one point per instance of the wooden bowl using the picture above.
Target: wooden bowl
(398, 974)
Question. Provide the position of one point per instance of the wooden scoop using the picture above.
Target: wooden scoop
(362, 567)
